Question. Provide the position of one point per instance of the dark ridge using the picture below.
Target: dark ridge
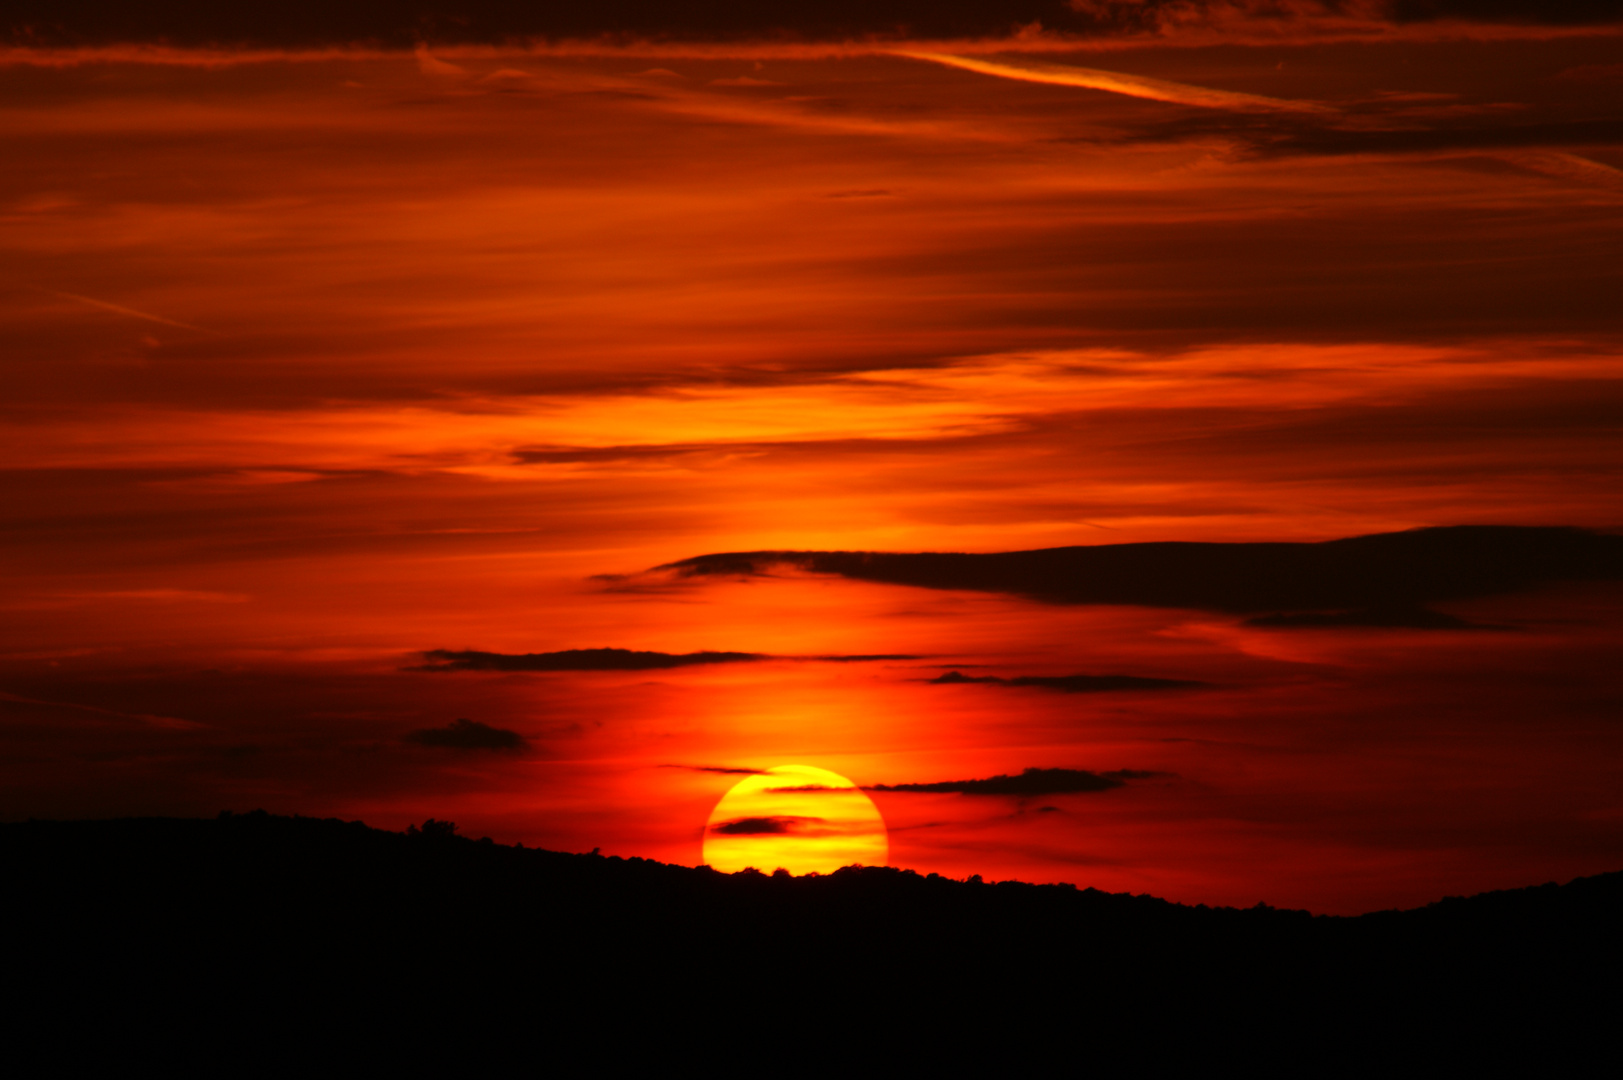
(250, 933)
(1030, 782)
(1072, 684)
(1404, 570)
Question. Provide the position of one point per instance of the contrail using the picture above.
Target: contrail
(146, 718)
(1565, 166)
(1117, 83)
(120, 309)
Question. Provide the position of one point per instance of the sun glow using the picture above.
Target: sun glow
(798, 818)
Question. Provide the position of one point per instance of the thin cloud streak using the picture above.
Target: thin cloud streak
(1567, 166)
(120, 309)
(1118, 83)
(151, 719)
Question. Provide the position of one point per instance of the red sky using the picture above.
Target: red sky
(318, 361)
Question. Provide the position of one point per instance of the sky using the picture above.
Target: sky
(375, 374)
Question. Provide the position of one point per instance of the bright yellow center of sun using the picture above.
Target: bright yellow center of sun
(798, 818)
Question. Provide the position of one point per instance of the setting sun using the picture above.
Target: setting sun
(798, 818)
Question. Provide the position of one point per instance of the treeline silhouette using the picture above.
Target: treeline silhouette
(276, 928)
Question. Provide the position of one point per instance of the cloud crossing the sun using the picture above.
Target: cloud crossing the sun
(775, 825)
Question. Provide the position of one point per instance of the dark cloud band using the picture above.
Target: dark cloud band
(1029, 783)
(764, 826)
(611, 660)
(401, 23)
(1387, 570)
(1073, 684)
(1386, 618)
(575, 660)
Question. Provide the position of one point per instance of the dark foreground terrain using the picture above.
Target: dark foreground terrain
(279, 933)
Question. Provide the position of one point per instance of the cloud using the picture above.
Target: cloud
(1529, 132)
(717, 769)
(614, 660)
(384, 22)
(1533, 12)
(1406, 618)
(575, 660)
(1565, 166)
(307, 23)
(1594, 73)
(1073, 684)
(1119, 83)
(120, 309)
(1530, 142)
(864, 658)
(1382, 570)
(689, 454)
(430, 65)
(469, 735)
(764, 826)
(1031, 782)
(151, 719)
(744, 80)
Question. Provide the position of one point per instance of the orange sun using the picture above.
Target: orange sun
(798, 818)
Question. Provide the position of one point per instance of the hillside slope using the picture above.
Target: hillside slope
(262, 921)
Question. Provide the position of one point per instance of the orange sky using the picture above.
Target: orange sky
(316, 363)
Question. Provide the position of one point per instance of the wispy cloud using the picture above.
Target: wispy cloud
(1566, 166)
(120, 309)
(469, 735)
(150, 719)
(1033, 781)
(429, 64)
(1116, 82)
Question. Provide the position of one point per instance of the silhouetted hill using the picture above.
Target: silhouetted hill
(253, 923)
(1383, 579)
